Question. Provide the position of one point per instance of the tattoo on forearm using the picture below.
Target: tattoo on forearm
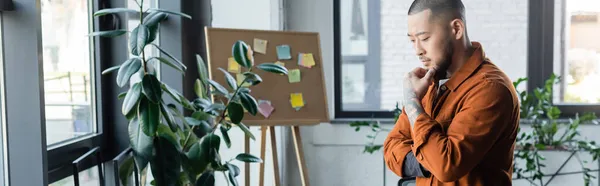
(412, 105)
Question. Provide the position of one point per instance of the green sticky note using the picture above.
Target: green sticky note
(294, 75)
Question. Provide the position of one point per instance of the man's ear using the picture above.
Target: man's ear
(458, 28)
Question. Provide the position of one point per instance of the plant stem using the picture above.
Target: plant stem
(225, 175)
(222, 116)
(141, 23)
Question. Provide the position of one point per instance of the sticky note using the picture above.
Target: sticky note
(233, 66)
(301, 59)
(307, 60)
(284, 52)
(265, 108)
(297, 100)
(240, 78)
(280, 63)
(294, 76)
(260, 46)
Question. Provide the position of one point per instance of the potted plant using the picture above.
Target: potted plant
(181, 150)
(544, 118)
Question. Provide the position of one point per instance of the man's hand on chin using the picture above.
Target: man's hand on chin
(416, 83)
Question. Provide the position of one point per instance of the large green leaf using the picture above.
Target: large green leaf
(126, 170)
(109, 70)
(177, 96)
(242, 54)
(218, 87)
(274, 68)
(206, 179)
(114, 11)
(235, 112)
(202, 129)
(139, 39)
(196, 159)
(122, 95)
(169, 55)
(151, 87)
(253, 78)
(225, 136)
(108, 33)
(215, 107)
(249, 103)
(167, 162)
(132, 98)
(202, 116)
(234, 171)
(149, 116)
(209, 144)
(140, 143)
(128, 68)
(248, 158)
(166, 133)
(154, 18)
(152, 33)
(168, 117)
(202, 70)
(246, 130)
(230, 80)
(199, 89)
(167, 62)
(202, 103)
(170, 12)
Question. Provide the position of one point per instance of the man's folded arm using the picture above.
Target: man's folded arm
(488, 109)
(397, 151)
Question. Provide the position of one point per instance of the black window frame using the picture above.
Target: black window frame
(60, 156)
(540, 59)
(372, 61)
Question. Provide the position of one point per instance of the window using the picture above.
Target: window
(372, 52)
(577, 42)
(68, 70)
(87, 177)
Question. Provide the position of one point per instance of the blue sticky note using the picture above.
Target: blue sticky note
(284, 52)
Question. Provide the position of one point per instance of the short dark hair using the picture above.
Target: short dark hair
(447, 9)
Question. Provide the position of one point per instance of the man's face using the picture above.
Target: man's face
(431, 40)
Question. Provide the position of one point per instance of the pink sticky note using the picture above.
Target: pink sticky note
(265, 109)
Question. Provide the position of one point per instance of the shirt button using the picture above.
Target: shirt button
(443, 88)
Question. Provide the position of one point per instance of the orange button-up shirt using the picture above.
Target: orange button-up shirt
(468, 137)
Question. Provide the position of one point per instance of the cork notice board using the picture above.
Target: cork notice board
(274, 87)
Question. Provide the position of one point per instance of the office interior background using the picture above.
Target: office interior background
(56, 106)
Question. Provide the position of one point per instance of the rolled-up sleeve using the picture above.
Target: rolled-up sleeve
(487, 110)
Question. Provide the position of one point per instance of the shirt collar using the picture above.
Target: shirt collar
(468, 68)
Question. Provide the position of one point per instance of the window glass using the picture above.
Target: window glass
(68, 58)
(577, 44)
(87, 177)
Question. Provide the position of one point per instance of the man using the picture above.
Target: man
(461, 112)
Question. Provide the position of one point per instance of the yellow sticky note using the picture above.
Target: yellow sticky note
(280, 63)
(297, 100)
(240, 78)
(308, 60)
(233, 66)
(294, 75)
(260, 46)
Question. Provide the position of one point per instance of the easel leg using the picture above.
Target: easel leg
(247, 165)
(275, 157)
(300, 155)
(263, 144)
